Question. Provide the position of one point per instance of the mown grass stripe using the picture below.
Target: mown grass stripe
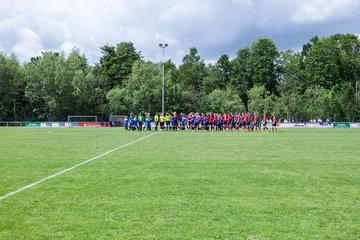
(73, 167)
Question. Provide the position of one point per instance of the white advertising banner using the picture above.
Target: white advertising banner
(354, 125)
(303, 125)
(53, 124)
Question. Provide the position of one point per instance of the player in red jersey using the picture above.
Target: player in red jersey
(254, 122)
(215, 122)
(274, 123)
(188, 121)
(247, 120)
(264, 122)
(243, 121)
(202, 118)
(228, 121)
(224, 120)
(211, 121)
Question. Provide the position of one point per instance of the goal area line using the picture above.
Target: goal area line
(73, 167)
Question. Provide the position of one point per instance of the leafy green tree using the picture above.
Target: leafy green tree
(211, 81)
(357, 101)
(82, 88)
(261, 101)
(241, 79)
(11, 86)
(120, 101)
(319, 81)
(233, 102)
(45, 80)
(219, 101)
(218, 76)
(344, 102)
(192, 70)
(318, 103)
(145, 86)
(117, 61)
(333, 60)
(292, 105)
(262, 64)
(215, 101)
(290, 84)
(86, 90)
(176, 94)
(257, 96)
(101, 88)
(308, 46)
(58, 86)
(273, 104)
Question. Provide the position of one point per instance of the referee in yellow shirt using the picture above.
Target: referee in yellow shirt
(162, 121)
(167, 120)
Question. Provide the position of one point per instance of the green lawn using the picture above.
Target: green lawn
(294, 184)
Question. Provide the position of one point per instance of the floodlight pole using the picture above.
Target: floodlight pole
(163, 46)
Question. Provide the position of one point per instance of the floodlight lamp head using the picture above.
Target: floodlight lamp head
(160, 45)
(166, 44)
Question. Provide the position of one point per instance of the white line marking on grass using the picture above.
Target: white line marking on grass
(73, 167)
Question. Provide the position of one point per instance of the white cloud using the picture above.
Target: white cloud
(67, 46)
(29, 44)
(213, 26)
(323, 10)
(246, 2)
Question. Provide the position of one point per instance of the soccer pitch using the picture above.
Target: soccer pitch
(294, 184)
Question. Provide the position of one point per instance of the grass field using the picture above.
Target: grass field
(294, 184)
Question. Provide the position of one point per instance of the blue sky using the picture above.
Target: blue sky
(214, 27)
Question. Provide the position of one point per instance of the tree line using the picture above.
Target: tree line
(319, 81)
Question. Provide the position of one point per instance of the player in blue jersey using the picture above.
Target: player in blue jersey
(219, 123)
(197, 121)
(202, 123)
(126, 123)
(237, 121)
(135, 123)
(233, 122)
(206, 122)
(183, 121)
(176, 121)
(148, 122)
(172, 123)
(192, 121)
(131, 118)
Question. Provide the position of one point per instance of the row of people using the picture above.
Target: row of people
(197, 122)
